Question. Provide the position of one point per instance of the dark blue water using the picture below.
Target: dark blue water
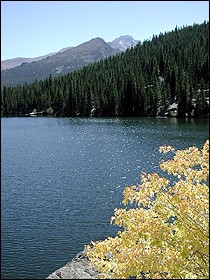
(62, 178)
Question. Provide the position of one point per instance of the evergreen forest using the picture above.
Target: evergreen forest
(169, 69)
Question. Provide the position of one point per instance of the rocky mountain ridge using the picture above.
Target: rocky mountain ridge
(62, 62)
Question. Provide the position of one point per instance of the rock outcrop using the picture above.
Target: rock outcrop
(77, 268)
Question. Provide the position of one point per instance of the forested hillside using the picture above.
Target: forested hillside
(169, 71)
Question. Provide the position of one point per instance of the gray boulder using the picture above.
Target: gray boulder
(77, 268)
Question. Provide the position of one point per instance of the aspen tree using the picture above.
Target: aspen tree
(165, 223)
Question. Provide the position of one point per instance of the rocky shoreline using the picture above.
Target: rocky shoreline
(77, 268)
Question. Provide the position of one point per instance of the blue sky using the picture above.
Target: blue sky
(34, 28)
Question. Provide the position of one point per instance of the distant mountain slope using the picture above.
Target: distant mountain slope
(64, 61)
(14, 62)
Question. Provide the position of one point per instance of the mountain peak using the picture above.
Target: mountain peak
(123, 42)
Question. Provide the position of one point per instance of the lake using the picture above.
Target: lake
(62, 178)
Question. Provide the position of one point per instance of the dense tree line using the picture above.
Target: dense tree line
(142, 81)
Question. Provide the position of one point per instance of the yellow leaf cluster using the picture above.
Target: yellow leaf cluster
(166, 234)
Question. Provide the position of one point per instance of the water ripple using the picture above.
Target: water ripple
(63, 177)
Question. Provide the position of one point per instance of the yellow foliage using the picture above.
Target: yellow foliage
(166, 236)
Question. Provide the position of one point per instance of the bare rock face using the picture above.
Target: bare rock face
(77, 268)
